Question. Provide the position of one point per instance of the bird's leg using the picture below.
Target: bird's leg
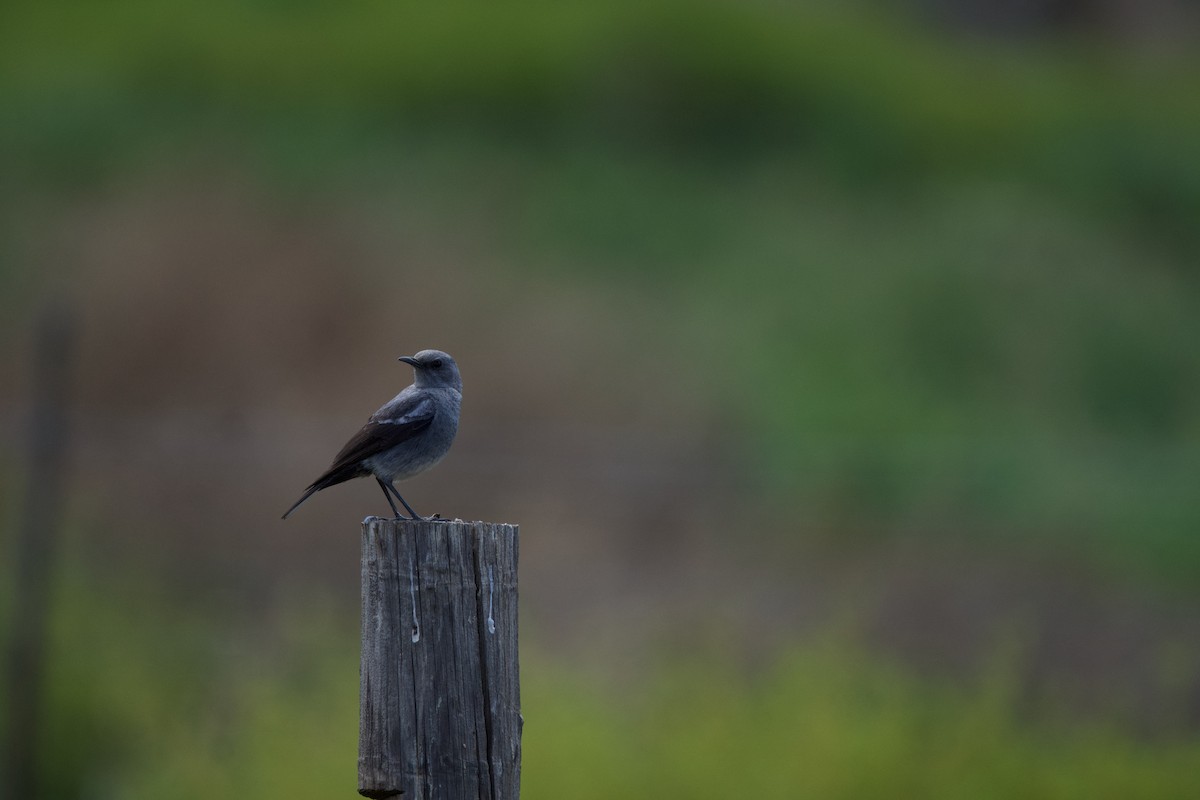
(415, 515)
(385, 486)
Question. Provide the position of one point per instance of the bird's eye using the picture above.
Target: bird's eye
(436, 363)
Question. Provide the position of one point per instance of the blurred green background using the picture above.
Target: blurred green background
(839, 362)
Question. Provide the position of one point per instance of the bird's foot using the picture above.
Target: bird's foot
(419, 518)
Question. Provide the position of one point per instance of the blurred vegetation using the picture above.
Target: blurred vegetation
(826, 722)
(947, 287)
(150, 698)
(953, 285)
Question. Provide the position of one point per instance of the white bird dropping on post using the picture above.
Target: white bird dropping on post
(405, 437)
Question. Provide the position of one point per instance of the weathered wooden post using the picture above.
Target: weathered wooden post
(440, 693)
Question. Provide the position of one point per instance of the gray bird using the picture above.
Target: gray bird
(407, 436)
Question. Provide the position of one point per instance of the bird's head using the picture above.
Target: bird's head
(434, 370)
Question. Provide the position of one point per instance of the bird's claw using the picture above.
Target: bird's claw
(419, 518)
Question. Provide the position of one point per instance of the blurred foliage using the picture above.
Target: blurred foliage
(938, 286)
(825, 721)
(952, 285)
(150, 698)
(878, 97)
(147, 698)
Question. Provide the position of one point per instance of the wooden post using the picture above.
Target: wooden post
(440, 692)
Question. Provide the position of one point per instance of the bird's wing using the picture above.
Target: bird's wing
(392, 425)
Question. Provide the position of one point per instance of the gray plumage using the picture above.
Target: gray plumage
(407, 436)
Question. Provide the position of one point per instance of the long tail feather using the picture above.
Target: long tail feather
(307, 494)
(331, 478)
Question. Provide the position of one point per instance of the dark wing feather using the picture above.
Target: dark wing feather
(386, 429)
(382, 434)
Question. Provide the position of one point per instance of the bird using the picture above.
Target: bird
(406, 436)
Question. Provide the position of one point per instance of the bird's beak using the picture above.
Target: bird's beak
(409, 360)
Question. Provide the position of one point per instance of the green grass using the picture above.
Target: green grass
(824, 721)
(147, 697)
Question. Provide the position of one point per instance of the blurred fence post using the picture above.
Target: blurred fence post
(36, 539)
(440, 696)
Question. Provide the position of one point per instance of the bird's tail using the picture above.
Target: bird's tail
(331, 478)
(309, 492)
